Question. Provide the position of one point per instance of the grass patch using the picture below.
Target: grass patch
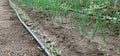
(20, 11)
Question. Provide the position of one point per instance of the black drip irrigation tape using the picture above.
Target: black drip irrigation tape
(33, 35)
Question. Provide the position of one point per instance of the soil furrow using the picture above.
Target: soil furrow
(14, 39)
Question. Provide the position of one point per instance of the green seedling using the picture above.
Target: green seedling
(51, 46)
(20, 11)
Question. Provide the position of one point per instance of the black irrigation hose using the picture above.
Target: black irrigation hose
(33, 35)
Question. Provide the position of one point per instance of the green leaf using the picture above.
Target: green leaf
(119, 49)
(84, 28)
(96, 28)
(103, 33)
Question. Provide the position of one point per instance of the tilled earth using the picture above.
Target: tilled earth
(14, 39)
(67, 39)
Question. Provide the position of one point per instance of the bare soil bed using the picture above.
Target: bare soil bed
(14, 39)
(67, 39)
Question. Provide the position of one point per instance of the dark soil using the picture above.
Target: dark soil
(67, 39)
(14, 39)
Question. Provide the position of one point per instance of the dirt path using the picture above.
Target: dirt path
(14, 40)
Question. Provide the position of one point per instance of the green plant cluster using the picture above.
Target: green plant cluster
(105, 12)
(20, 11)
(88, 7)
(51, 46)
